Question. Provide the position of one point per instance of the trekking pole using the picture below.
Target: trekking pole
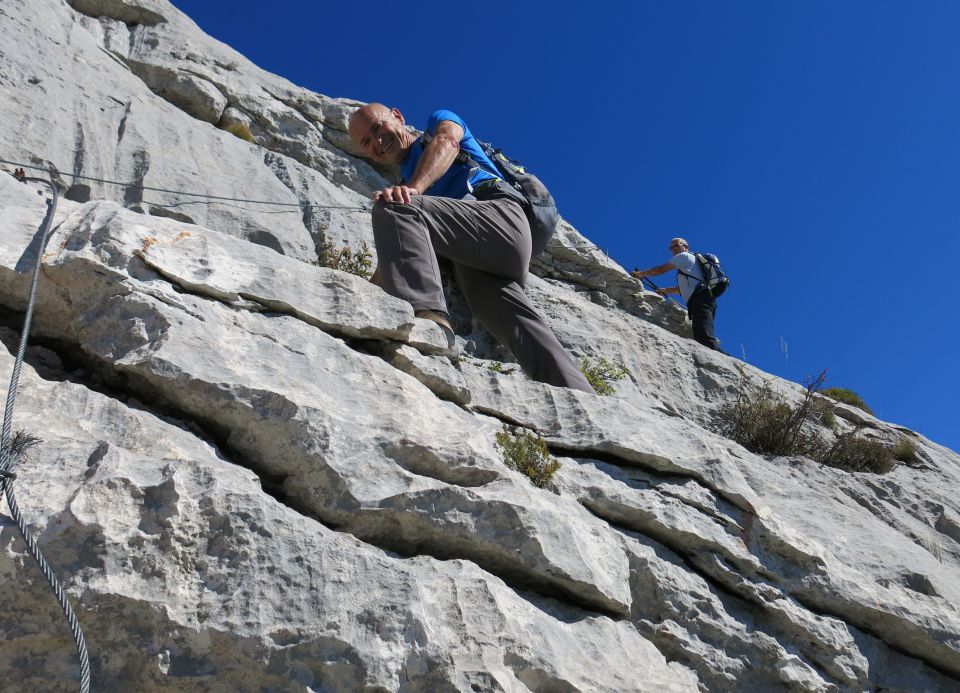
(656, 288)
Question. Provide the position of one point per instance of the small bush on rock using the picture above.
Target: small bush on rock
(528, 453)
(762, 421)
(498, 367)
(241, 130)
(842, 394)
(359, 263)
(905, 451)
(852, 453)
(826, 415)
(601, 374)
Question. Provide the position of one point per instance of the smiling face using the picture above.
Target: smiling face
(379, 131)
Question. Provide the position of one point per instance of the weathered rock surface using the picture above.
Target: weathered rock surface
(191, 578)
(258, 474)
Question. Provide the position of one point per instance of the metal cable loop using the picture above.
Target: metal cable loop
(6, 456)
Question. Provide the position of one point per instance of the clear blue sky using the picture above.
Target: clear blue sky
(814, 146)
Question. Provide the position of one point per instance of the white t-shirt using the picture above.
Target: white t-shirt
(686, 262)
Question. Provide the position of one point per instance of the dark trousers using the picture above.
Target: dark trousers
(489, 244)
(702, 309)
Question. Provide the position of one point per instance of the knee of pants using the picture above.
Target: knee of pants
(388, 211)
(381, 215)
(392, 220)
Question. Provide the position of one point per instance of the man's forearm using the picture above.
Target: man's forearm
(653, 271)
(434, 162)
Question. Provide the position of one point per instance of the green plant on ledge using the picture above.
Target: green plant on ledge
(825, 413)
(854, 453)
(601, 374)
(241, 130)
(528, 453)
(359, 263)
(498, 367)
(905, 451)
(763, 422)
(847, 396)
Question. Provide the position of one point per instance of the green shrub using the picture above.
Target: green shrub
(498, 367)
(345, 259)
(601, 374)
(905, 451)
(762, 421)
(824, 412)
(855, 454)
(842, 394)
(241, 130)
(528, 453)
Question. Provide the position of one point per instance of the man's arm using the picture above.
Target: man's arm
(437, 156)
(654, 271)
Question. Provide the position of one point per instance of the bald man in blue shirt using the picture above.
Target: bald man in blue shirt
(449, 208)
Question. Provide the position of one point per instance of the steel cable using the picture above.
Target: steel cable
(186, 193)
(6, 457)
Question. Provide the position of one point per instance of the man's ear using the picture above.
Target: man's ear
(397, 114)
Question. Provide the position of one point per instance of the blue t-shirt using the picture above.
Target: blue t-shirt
(453, 183)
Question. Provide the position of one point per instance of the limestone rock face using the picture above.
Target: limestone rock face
(257, 474)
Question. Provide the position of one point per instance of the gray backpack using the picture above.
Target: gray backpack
(541, 208)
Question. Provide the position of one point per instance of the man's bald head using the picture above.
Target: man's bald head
(380, 132)
(364, 113)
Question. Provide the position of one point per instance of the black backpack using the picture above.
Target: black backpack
(714, 278)
(537, 202)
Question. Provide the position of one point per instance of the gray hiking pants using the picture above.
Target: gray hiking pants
(489, 245)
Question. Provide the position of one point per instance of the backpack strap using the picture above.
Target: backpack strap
(693, 277)
(700, 282)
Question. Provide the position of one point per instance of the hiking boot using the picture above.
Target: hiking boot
(440, 319)
(436, 317)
